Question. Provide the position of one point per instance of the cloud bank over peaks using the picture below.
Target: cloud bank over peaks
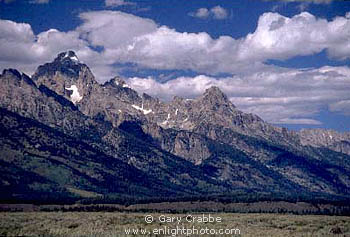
(105, 39)
(283, 96)
(21, 48)
(160, 47)
(126, 38)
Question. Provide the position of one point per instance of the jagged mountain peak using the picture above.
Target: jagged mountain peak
(214, 90)
(67, 56)
(119, 81)
(11, 72)
(67, 63)
(116, 81)
(67, 76)
(15, 74)
(214, 96)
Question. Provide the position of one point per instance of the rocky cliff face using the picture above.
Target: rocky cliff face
(67, 76)
(204, 145)
(323, 138)
(21, 95)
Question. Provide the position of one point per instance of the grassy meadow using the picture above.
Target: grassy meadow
(107, 224)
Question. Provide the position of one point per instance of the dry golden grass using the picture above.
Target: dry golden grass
(96, 224)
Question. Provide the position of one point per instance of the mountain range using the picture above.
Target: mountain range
(66, 137)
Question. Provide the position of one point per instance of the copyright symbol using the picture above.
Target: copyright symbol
(149, 219)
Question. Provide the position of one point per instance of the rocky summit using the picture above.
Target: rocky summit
(64, 136)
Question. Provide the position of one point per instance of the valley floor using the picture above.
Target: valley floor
(108, 224)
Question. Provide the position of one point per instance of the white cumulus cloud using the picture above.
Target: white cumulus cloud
(219, 12)
(22, 49)
(128, 38)
(201, 13)
(113, 29)
(216, 12)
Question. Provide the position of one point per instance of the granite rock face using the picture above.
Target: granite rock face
(330, 139)
(203, 145)
(20, 94)
(66, 76)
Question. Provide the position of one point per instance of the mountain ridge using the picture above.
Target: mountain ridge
(200, 146)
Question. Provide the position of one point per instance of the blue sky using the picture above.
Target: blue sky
(287, 61)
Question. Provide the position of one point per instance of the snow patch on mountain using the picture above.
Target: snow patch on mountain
(145, 111)
(73, 58)
(75, 96)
